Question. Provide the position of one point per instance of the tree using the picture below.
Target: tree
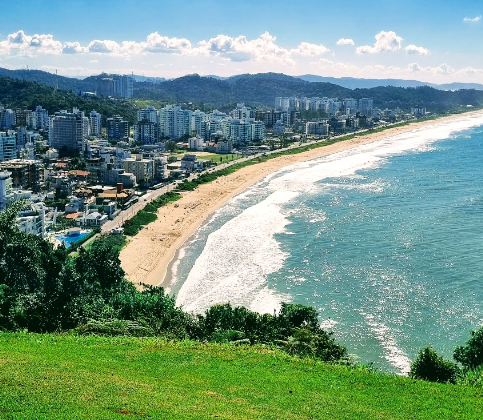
(170, 146)
(100, 268)
(471, 354)
(429, 366)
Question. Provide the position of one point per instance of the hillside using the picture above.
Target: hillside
(49, 79)
(357, 83)
(66, 376)
(261, 90)
(15, 93)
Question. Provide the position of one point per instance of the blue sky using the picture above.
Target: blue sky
(435, 41)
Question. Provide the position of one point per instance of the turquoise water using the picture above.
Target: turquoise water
(384, 240)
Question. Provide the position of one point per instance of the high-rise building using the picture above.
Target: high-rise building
(349, 106)
(105, 86)
(175, 122)
(146, 132)
(40, 118)
(7, 118)
(150, 113)
(68, 130)
(8, 145)
(115, 85)
(95, 123)
(5, 189)
(123, 86)
(25, 174)
(365, 106)
(117, 128)
(23, 117)
(199, 124)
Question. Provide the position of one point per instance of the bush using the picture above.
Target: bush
(227, 336)
(114, 328)
(429, 366)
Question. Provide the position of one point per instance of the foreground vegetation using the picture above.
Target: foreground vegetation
(66, 376)
(43, 289)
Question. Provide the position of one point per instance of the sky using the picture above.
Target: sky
(432, 41)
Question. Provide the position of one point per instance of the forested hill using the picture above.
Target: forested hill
(261, 90)
(49, 79)
(16, 93)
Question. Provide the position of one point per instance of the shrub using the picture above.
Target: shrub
(429, 366)
(114, 328)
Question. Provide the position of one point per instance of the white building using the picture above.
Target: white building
(196, 143)
(143, 169)
(199, 124)
(150, 113)
(95, 127)
(39, 119)
(316, 128)
(6, 193)
(68, 130)
(175, 122)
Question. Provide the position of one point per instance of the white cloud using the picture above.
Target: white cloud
(19, 43)
(156, 43)
(345, 41)
(414, 67)
(385, 41)
(413, 49)
(242, 49)
(105, 46)
(444, 69)
(472, 20)
(307, 49)
(73, 48)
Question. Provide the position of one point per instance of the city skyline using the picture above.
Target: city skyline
(434, 41)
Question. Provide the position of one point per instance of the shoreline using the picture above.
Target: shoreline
(148, 255)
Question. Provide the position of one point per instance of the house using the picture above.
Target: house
(95, 219)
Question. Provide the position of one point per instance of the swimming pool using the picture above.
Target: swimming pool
(68, 240)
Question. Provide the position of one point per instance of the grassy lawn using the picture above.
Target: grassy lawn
(67, 377)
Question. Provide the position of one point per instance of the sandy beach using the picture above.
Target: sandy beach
(147, 255)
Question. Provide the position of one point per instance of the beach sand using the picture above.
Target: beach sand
(146, 257)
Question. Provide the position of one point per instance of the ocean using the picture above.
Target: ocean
(384, 240)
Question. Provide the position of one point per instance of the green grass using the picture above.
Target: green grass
(67, 377)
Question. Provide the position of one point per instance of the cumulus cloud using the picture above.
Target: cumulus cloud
(472, 20)
(242, 49)
(413, 49)
(414, 67)
(105, 46)
(444, 69)
(20, 43)
(73, 48)
(385, 41)
(156, 43)
(345, 41)
(307, 49)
